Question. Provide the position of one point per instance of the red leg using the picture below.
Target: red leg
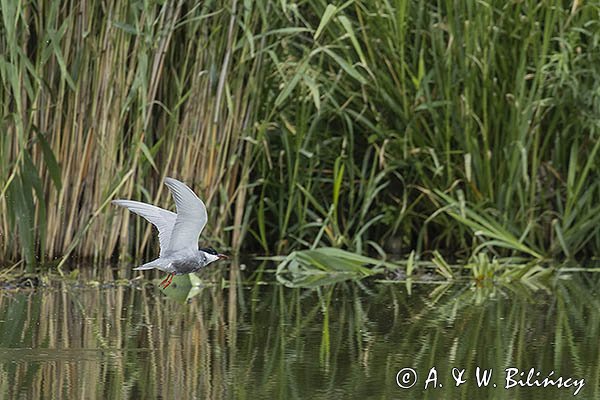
(166, 281)
(169, 280)
(163, 281)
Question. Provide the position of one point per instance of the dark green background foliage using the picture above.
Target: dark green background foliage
(368, 125)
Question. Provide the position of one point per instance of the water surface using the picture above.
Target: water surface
(239, 340)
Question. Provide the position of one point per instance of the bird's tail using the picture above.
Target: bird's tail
(158, 264)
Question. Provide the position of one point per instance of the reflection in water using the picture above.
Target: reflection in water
(267, 341)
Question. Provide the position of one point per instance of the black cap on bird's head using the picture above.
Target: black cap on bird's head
(212, 251)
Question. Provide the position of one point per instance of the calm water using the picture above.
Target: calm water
(237, 340)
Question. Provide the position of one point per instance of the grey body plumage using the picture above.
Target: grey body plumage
(188, 265)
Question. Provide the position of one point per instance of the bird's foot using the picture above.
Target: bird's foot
(167, 281)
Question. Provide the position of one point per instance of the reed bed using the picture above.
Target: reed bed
(372, 126)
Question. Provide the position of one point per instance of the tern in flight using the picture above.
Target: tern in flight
(177, 233)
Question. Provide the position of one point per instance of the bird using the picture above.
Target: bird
(177, 232)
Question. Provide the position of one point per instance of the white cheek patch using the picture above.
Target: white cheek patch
(210, 257)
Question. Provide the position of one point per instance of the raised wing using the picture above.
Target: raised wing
(164, 220)
(191, 217)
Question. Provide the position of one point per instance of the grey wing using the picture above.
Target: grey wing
(164, 220)
(191, 217)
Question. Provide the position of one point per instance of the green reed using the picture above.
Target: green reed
(369, 125)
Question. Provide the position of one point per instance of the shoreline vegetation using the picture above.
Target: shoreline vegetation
(429, 128)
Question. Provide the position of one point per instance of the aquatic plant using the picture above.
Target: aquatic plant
(372, 126)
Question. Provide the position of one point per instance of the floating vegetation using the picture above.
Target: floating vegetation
(324, 266)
